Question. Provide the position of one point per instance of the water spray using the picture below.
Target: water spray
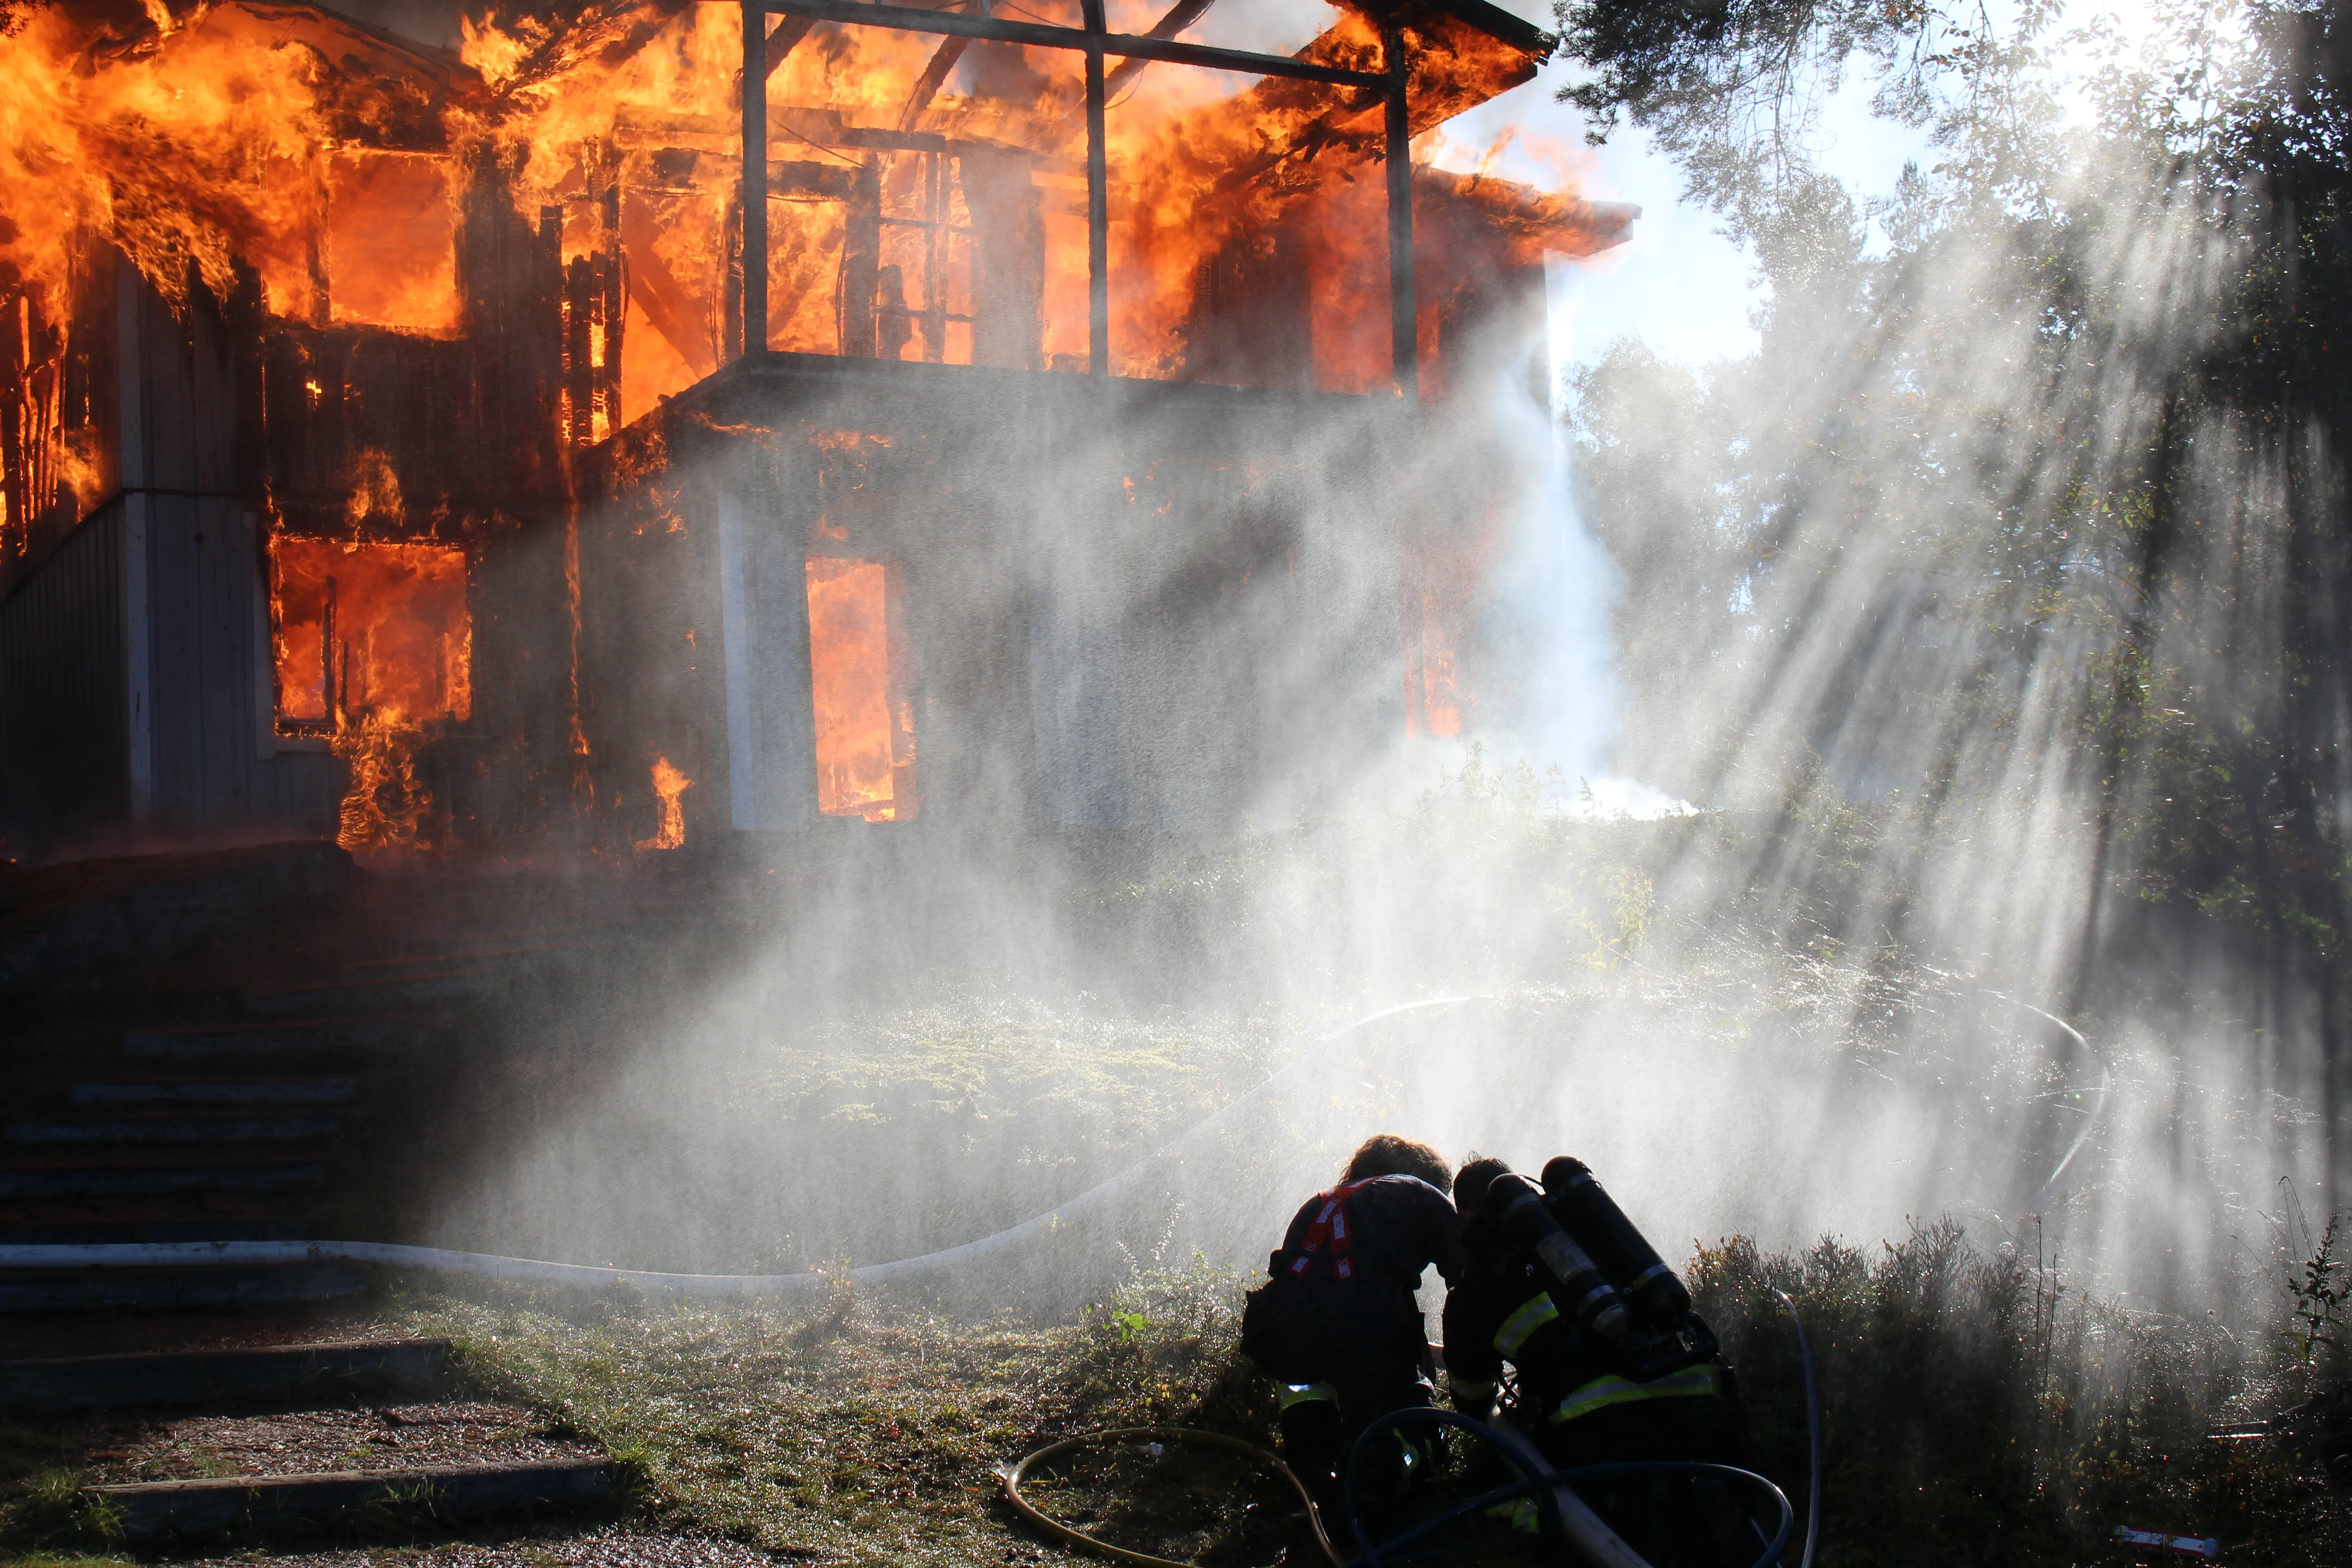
(786, 1286)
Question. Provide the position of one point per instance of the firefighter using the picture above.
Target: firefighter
(1587, 1397)
(1336, 1323)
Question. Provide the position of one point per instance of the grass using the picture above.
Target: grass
(858, 1428)
(1975, 1409)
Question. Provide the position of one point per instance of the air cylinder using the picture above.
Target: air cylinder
(1583, 1289)
(1623, 1253)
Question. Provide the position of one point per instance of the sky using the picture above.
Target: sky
(1678, 284)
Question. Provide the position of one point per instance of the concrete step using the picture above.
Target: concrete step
(400, 985)
(171, 1216)
(291, 1039)
(88, 1172)
(241, 1378)
(213, 1091)
(52, 1231)
(174, 1126)
(516, 956)
(69, 1289)
(150, 1509)
(435, 987)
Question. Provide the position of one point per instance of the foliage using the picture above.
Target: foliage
(2321, 1293)
(47, 1508)
(1975, 1406)
(2034, 488)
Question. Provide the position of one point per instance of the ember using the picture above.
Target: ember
(669, 787)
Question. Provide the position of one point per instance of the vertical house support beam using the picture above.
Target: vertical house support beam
(1097, 200)
(139, 658)
(134, 476)
(755, 178)
(1404, 336)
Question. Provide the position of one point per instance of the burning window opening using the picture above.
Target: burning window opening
(1432, 704)
(370, 633)
(927, 238)
(392, 242)
(864, 722)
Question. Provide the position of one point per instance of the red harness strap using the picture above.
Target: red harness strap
(1329, 1229)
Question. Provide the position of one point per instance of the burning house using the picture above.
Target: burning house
(418, 445)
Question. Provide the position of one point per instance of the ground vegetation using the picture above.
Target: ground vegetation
(1975, 1403)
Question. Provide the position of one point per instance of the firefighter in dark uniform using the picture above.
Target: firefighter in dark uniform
(1583, 1398)
(1336, 1323)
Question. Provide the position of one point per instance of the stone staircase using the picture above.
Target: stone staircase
(296, 1439)
(275, 1124)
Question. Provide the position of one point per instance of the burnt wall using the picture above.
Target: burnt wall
(1149, 608)
(64, 704)
(134, 689)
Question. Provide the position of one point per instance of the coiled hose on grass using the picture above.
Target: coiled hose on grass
(1014, 1474)
(1558, 1505)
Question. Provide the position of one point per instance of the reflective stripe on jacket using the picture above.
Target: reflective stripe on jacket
(1691, 1383)
(1532, 1314)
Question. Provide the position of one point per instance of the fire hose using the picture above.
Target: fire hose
(531, 1271)
(1553, 1490)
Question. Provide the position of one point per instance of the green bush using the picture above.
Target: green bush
(1974, 1407)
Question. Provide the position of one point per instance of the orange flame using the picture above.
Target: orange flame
(864, 730)
(384, 807)
(927, 197)
(371, 631)
(188, 149)
(372, 644)
(669, 786)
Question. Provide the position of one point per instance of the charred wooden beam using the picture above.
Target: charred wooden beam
(861, 263)
(786, 38)
(606, 34)
(664, 299)
(1098, 199)
(935, 76)
(831, 182)
(1404, 333)
(1182, 14)
(752, 203)
(849, 13)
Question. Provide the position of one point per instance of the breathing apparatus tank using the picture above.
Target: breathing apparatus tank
(1515, 1201)
(1624, 1254)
